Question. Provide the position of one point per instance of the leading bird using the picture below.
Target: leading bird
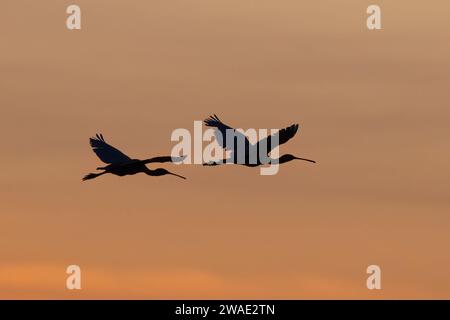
(120, 164)
(254, 154)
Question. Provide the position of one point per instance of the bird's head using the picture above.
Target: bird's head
(286, 158)
(162, 172)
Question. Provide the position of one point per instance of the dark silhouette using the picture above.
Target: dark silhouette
(255, 154)
(120, 164)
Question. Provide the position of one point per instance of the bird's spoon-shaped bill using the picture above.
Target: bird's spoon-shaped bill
(176, 175)
(309, 160)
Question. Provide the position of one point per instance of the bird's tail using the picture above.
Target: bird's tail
(90, 176)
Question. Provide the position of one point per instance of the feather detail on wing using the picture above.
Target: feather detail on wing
(106, 152)
(278, 138)
(221, 133)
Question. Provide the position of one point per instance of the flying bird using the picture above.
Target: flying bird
(120, 164)
(254, 154)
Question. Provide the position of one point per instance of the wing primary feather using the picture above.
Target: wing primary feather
(105, 151)
(280, 137)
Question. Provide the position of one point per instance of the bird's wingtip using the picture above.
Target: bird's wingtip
(99, 136)
(212, 121)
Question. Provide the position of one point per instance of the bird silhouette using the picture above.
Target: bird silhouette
(254, 154)
(120, 164)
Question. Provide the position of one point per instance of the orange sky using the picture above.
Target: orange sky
(373, 108)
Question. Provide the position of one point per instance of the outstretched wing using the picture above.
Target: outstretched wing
(282, 136)
(106, 152)
(221, 132)
(164, 159)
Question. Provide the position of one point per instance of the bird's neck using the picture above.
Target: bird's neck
(149, 171)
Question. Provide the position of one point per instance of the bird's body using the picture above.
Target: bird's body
(127, 168)
(245, 153)
(121, 165)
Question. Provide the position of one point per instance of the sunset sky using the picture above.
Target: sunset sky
(373, 109)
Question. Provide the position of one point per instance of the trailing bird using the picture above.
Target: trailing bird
(120, 164)
(254, 154)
